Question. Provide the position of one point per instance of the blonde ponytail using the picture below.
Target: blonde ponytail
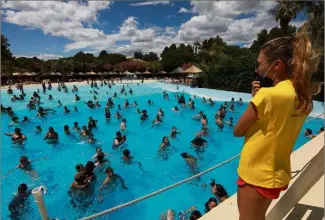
(303, 64)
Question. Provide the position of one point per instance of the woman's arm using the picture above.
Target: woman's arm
(246, 121)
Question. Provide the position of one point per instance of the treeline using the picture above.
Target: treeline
(225, 67)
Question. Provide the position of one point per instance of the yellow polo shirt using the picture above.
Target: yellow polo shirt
(265, 157)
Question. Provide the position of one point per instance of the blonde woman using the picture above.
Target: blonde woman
(272, 122)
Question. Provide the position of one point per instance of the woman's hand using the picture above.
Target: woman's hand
(255, 87)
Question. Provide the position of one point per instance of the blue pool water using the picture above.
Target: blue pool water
(58, 171)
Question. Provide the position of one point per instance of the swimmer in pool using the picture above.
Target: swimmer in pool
(118, 116)
(198, 141)
(99, 150)
(126, 104)
(309, 133)
(210, 102)
(219, 122)
(66, 110)
(123, 125)
(230, 122)
(107, 114)
(118, 140)
(14, 121)
(139, 111)
(17, 137)
(75, 109)
(92, 139)
(127, 158)
(134, 104)
(190, 160)
(157, 121)
(144, 116)
(173, 134)
(51, 135)
(66, 130)
(191, 104)
(111, 178)
(94, 97)
(175, 109)
(59, 103)
(231, 108)
(119, 107)
(17, 206)
(199, 116)
(130, 91)
(50, 97)
(77, 98)
(92, 123)
(26, 165)
(150, 102)
(100, 159)
(76, 126)
(204, 122)
(26, 119)
(38, 129)
(115, 95)
(84, 131)
(164, 144)
(80, 182)
(161, 113)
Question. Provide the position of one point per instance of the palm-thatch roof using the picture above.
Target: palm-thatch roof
(193, 69)
(178, 70)
(146, 72)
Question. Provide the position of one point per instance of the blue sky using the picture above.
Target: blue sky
(59, 29)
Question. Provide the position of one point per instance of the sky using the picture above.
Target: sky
(52, 29)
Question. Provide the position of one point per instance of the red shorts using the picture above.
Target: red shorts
(273, 193)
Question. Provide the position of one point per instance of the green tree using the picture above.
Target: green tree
(5, 51)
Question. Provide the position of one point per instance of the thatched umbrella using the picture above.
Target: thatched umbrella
(147, 72)
(193, 70)
(178, 70)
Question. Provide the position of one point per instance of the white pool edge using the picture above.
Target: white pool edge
(299, 158)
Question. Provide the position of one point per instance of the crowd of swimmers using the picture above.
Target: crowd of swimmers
(85, 177)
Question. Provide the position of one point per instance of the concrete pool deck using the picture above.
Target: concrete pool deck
(311, 204)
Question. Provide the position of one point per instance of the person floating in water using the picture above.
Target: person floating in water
(14, 121)
(77, 98)
(173, 134)
(117, 115)
(111, 178)
(210, 102)
(175, 109)
(161, 113)
(230, 122)
(75, 109)
(38, 129)
(100, 157)
(107, 114)
(26, 164)
(190, 160)
(219, 191)
(164, 144)
(128, 159)
(92, 123)
(17, 137)
(51, 135)
(66, 110)
(309, 133)
(199, 116)
(17, 206)
(219, 122)
(144, 116)
(123, 125)
(59, 103)
(198, 141)
(157, 121)
(118, 140)
(50, 97)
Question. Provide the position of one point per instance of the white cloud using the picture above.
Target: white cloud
(57, 18)
(217, 18)
(150, 3)
(74, 20)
